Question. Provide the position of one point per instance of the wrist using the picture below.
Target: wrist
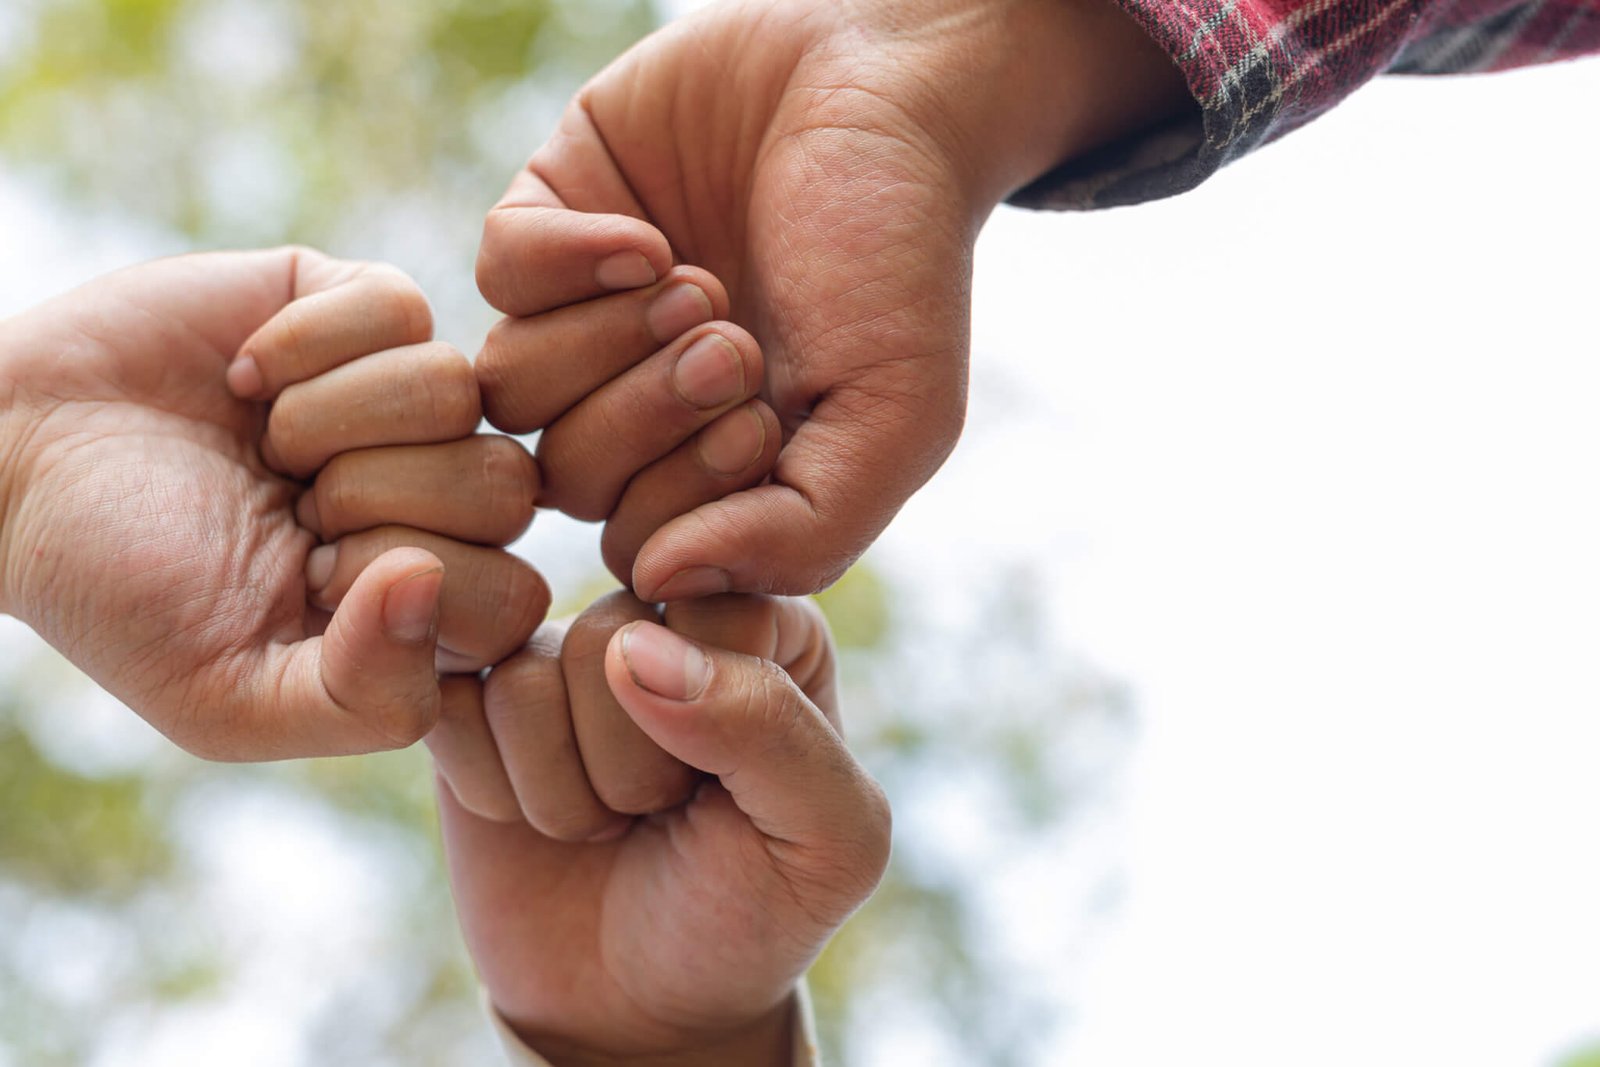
(1020, 86)
(1097, 77)
(768, 1041)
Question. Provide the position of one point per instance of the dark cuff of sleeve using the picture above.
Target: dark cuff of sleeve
(1236, 69)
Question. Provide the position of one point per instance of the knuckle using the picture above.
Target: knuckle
(564, 822)
(450, 387)
(587, 508)
(528, 599)
(509, 484)
(494, 359)
(286, 426)
(401, 300)
(489, 270)
(579, 460)
(359, 549)
(619, 547)
(485, 801)
(765, 702)
(504, 386)
(287, 342)
(340, 495)
(647, 791)
(591, 631)
(404, 721)
(529, 677)
(765, 616)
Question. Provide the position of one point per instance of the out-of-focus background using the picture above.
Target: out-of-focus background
(1233, 683)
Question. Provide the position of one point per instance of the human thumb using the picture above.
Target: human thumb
(744, 720)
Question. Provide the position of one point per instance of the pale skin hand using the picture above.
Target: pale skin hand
(830, 164)
(143, 536)
(676, 938)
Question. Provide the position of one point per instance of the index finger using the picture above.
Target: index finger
(539, 254)
(339, 313)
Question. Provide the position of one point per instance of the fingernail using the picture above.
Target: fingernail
(624, 270)
(319, 567)
(733, 442)
(412, 606)
(664, 663)
(693, 582)
(305, 512)
(680, 308)
(710, 373)
(244, 378)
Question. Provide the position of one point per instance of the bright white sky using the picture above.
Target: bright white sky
(1309, 459)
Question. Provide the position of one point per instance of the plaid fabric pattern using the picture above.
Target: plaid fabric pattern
(1260, 68)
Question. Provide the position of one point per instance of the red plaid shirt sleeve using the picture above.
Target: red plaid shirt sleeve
(1260, 68)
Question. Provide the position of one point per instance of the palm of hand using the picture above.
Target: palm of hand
(166, 551)
(685, 920)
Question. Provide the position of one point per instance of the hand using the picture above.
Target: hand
(831, 164)
(143, 536)
(678, 937)
(386, 435)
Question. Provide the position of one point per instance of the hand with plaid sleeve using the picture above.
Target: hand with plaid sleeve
(831, 162)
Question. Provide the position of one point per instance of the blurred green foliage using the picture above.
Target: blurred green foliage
(385, 130)
(1584, 1057)
(277, 120)
(83, 836)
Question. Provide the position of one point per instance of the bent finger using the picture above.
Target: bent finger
(591, 452)
(537, 253)
(527, 710)
(356, 309)
(491, 602)
(465, 755)
(569, 227)
(736, 451)
(838, 482)
(480, 489)
(532, 370)
(628, 771)
(415, 395)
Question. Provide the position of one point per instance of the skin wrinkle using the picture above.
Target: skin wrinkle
(162, 517)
